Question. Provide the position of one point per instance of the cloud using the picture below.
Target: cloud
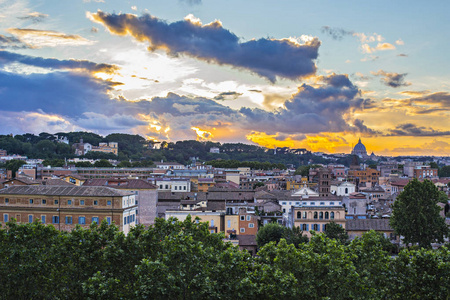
(415, 93)
(402, 55)
(394, 80)
(269, 58)
(48, 38)
(409, 129)
(434, 147)
(438, 102)
(311, 109)
(380, 47)
(7, 57)
(336, 33)
(363, 128)
(228, 96)
(35, 17)
(400, 42)
(11, 42)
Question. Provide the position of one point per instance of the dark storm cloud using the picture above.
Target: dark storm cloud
(52, 63)
(311, 110)
(227, 96)
(269, 58)
(336, 33)
(409, 129)
(35, 17)
(394, 80)
(363, 128)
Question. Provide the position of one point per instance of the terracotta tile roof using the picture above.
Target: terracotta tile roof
(53, 182)
(86, 191)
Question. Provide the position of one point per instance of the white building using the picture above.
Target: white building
(343, 189)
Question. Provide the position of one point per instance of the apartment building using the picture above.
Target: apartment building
(67, 206)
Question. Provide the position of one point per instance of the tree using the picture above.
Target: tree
(274, 232)
(444, 171)
(14, 165)
(415, 214)
(103, 163)
(335, 231)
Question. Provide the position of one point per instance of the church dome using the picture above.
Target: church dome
(360, 149)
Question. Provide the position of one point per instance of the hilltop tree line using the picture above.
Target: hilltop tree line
(182, 260)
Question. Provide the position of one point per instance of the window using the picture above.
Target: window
(81, 202)
(304, 214)
(128, 220)
(95, 202)
(324, 227)
(242, 218)
(56, 202)
(326, 215)
(321, 215)
(211, 224)
(6, 200)
(44, 201)
(95, 219)
(176, 188)
(161, 186)
(31, 201)
(322, 203)
(304, 227)
(108, 219)
(251, 225)
(249, 217)
(108, 202)
(184, 187)
(69, 202)
(332, 215)
(299, 215)
(283, 203)
(313, 203)
(43, 219)
(242, 230)
(315, 215)
(315, 227)
(68, 220)
(82, 220)
(331, 203)
(124, 220)
(134, 218)
(55, 219)
(167, 186)
(229, 223)
(5, 217)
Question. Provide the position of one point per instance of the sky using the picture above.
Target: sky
(302, 74)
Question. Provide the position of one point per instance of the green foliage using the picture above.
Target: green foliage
(103, 163)
(444, 171)
(274, 232)
(14, 165)
(182, 260)
(415, 214)
(83, 164)
(335, 231)
(304, 170)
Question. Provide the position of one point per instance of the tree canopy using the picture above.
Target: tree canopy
(183, 260)
(415, 214)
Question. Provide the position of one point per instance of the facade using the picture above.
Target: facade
(146, 195)
(425, 172)
(175, 185)
(343, 189)
(67, 206)
(215, 220)
(170, 166)
(214, 150)
(89, 173)
(111, 147)
(316, 217)
(368, 177)
(356, 228)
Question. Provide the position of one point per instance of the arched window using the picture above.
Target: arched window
(304, 215)
(321, 215)
(346, 190)
(332, 215)
(299, 215)
(315, 215)
(316, 227)
(326, 215)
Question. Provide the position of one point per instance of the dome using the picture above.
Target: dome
(359, 147)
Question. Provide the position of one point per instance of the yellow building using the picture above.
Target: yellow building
(316, 217)
(231, 225)
(295, 185)
(111, 147)
(74, 179)
(214, 219)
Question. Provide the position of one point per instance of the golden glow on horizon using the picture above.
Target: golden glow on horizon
(202, 134)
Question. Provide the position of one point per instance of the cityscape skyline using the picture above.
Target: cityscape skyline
(292, 74)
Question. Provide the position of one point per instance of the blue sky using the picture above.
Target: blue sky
(312, 74)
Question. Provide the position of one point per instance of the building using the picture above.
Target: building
(67, 206)
(425, 172)
(81, 148)
(146, 195)
(343, 189)
(214, 150)
(170, 166)
(111, 147)
(172, 184)
(367, 178)
(356, 228)
(316, 218)
(360, 150)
